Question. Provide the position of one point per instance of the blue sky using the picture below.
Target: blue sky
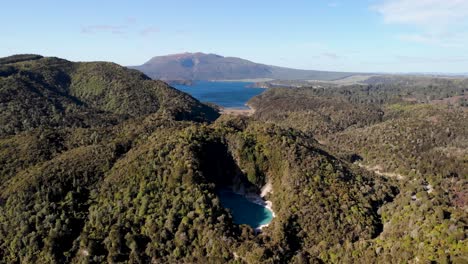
(342, 35)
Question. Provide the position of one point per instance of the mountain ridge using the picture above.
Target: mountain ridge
(139, 184)
(38, 91)
(101, 164)
(203, 66)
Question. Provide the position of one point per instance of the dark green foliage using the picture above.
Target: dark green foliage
(19, 58)
(319, 200)
(51, 92)
(419, 137)
(99, 164)
(422, 140)
(295, 107)
(142, 192)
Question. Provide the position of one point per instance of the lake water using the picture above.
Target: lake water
(225, 94)
(245, 211)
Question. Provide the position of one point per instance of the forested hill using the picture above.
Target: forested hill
(37, 91)
(101, 164)
(201, 66)
(413, 130)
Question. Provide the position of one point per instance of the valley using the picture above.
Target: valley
(237, 132)
(102, 164)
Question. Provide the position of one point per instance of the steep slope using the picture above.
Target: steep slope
(402, 130)
(332, 109)
(200, 66)
(413, 140)
(308, 111)
(425, 148)
(52, 92)
(109, 166)
(146, 191)
(101, 164)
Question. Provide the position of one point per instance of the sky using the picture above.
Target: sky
(338, 35)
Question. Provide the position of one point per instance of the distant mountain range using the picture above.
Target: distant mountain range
(201, 66)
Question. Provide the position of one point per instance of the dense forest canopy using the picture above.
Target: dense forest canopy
(101, 164)
(413, 130)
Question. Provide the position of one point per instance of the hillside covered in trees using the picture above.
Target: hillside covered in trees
(52, 92)
(101, 164)
(410, 130)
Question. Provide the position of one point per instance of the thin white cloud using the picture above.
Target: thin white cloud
(330, 55)
(444, 40)
(130, 26)
(149, 31)
(131, 20)
(91, 29)
(308, 45)
(425, 13)
(417, 38)
(424, 60)
(442, 23)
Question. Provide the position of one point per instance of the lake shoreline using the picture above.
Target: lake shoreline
(254, 80)
(238, 111)
(258, 200)
(266, 204)
(229, 95)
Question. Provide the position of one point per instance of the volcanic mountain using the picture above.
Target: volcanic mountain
(201, 66)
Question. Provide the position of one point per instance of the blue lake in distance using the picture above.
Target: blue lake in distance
(243, 210)
(225, 94)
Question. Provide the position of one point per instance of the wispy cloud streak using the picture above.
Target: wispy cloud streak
(442, 23)
(91, 29)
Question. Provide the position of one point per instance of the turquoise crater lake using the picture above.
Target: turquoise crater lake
(245, 211)
(225, 94)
